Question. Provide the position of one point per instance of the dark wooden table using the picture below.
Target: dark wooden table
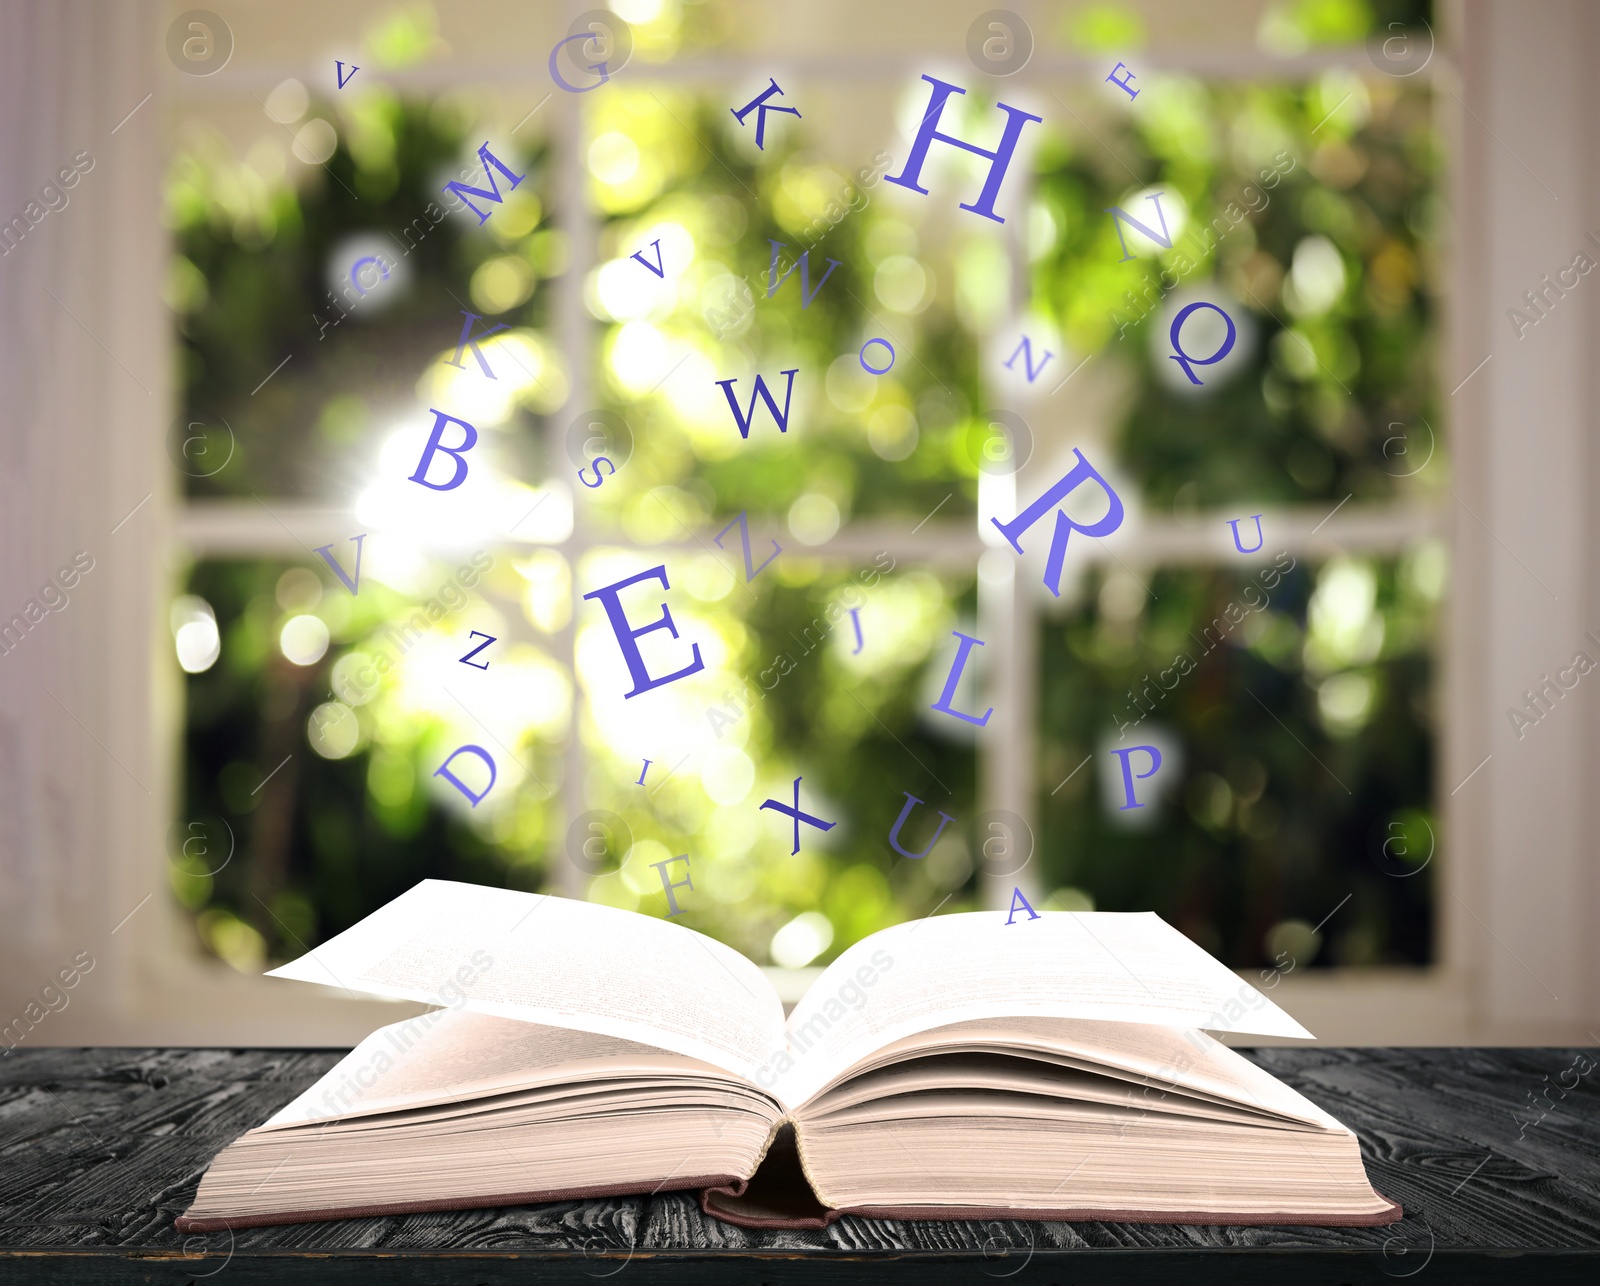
(1495, 1154)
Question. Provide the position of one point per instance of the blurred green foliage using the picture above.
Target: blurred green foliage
(1305, 736)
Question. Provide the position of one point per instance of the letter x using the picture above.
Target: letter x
(798, 816)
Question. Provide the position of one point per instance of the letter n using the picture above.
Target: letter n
(1026, 350)
(761, 391)
(1119, 215)
(493, 192)
(443, 770)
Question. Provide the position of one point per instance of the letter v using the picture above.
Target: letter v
(339, 72)
(659, 269)
(327, 557)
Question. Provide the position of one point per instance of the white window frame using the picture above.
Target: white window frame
(82, 856)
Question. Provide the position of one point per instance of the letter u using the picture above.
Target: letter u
(1234, 524)
(894, 835)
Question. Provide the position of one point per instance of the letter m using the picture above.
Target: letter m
(493, 192)
(761, 391)
(1119, 216)
(22, 231)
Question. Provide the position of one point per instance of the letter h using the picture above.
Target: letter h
(929, 133)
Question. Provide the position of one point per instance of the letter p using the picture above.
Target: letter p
(1128, 774)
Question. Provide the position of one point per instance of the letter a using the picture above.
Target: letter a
(1016, 896)
(761, 391)
(458, 454)
(1080, 473)
(327, 556)
(894, 835)
(443, 770)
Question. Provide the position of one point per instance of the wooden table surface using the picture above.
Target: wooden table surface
(1494, 1153)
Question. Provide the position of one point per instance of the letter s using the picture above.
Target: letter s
(598, 461)
(83, 567)
(887, 962)
(79, 961)
(487, 961)
(77, 162)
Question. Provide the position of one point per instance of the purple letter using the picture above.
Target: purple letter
(469, 441)
(999, 159)
(1081, 472)
(948, 695)
(1128, 774)
(443, 770)
(626, 634)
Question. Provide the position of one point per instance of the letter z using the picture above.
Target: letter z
(467, 659)
(751, 571)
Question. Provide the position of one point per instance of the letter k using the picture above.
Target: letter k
(758, 104)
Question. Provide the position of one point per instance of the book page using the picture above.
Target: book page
(1129, 967)
(551, 960)
(447, 1055)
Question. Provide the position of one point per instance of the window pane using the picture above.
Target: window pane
(1292, 709)
(320, 280)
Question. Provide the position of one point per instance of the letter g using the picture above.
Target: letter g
(555, 73)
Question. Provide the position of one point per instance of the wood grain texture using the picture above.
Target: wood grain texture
(102, 1148)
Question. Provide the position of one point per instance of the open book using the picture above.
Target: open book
(955, 1067)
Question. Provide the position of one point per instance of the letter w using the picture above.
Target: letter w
(750, 570)
(804, 264)
(493, 193)
(1118, 215)
(743, 421)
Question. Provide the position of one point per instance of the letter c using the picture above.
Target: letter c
(761, 678)
(365, 1084)
(355, 270)
(1163, 675)
(1561, 674)
(1561, 276)
(555, 73)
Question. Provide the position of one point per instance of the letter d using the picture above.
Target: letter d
(443, 770)
(457, 453)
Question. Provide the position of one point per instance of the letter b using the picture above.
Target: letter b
(456, 453)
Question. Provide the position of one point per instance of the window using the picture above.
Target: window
(1281, 668)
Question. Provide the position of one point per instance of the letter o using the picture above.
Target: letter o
(873, 369)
